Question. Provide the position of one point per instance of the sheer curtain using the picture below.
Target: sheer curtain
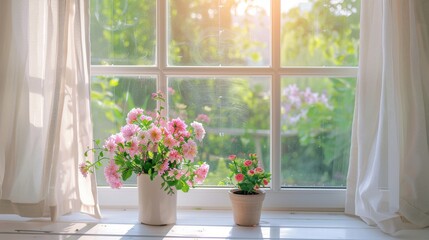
(44, 105)
(388, 181)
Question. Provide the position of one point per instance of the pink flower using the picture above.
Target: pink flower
(110, 144)
(129, 130)
(201, 173)
(259, 170)
(155, 134)
(174, 155)
(83, 169)
(171, 91)
(163, 167)
(256, 187)
(112, 175)
(176, 126)
(118, 138)
(232, 157)
(239, 177)
(203, 118)
(134, 147)
(247, 163)
(251, 172)
(266, 181)
(190, 150)
(199, 130)
(145, 118)
(169, 141)
(133, 115)
(143, 136)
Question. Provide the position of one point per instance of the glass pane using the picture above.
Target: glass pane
(316, 130)
(123, 32)
(112, 97)
(235, 113)
(219, 33)
(320, 32)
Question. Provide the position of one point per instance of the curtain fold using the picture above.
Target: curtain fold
(45, 117)
(389, 162)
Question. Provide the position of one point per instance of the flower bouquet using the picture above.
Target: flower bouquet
(154, 146)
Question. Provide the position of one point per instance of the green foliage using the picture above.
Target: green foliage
(246, 174)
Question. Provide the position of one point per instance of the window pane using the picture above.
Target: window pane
(320, 32)
(219, 33)
(316, 130)
(123, 32)
(235, 113)
(112, 97)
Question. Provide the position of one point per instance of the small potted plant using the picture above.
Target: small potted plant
(247, 198)
(161, 153)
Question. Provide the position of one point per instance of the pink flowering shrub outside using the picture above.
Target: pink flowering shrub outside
(152, 145)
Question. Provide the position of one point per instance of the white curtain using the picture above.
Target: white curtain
(44, 108)
(388, 179)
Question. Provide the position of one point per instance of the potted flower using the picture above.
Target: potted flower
(247, 198)
(161, 153)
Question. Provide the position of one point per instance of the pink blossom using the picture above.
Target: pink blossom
(145, 118)
(110, 144)
(163, 167)
(174, 155)
(247, 163)
(129, 130)
(133, 115)
(239, 177)
(155, 134)
(203, 118)
(112, 175)
(232, 157)
(201, 173)
(169, 141)
(171, 91)
(265, 181)
(259, 170)
(83, 169)
(176, 126)
(119, 138)
(190, 150)
(256, 187)
(143, 136)
(134, 147)
(251, 172)
(199, 130)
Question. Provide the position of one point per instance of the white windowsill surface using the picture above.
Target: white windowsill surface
(197, 224)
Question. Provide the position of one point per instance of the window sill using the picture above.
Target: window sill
(217, 198)
(218, 224)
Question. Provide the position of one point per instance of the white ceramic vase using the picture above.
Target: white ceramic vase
(246, 208)
(156, 207)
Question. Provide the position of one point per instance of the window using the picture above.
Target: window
(276, 78)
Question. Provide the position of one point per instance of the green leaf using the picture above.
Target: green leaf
(127, 174)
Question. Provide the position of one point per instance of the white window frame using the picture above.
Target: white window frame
(277, 198)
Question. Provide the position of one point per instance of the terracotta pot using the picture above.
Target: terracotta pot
(156, 207)
(246, 208)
